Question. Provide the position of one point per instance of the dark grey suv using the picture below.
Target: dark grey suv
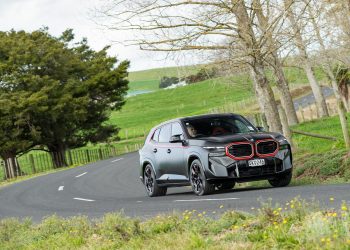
(212, 151)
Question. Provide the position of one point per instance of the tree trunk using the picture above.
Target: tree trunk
(340, 107)
(58, 155)
(282, 83)
(316, 89)
(286, 129)
(11, 166)
(341, 104)
(286, 97)
(300, 44)
(266, 98)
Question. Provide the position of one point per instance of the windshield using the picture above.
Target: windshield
(217, 126)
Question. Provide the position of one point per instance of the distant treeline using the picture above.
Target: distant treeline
(201, 75)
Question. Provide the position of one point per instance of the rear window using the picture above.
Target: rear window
(155, 136)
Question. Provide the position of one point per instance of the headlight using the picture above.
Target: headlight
(216, 151)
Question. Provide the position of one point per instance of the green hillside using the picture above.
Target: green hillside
(152, 74)
(144, 111)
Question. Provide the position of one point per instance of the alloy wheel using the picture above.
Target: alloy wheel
(196, 179)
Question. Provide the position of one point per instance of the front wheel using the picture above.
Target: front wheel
(282, 180)
(151, 186)
(199, 183)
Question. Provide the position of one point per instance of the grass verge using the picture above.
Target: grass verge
(293, 225)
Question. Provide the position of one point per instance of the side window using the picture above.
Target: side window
(155, 136)
(176, 129)
(164, 135)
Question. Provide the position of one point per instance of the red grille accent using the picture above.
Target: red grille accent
(267, 147)
(240, 150)
(246, 150)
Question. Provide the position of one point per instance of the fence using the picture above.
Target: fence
(40, 161)
(309, 111)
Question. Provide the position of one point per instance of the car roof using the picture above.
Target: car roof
(196, 117)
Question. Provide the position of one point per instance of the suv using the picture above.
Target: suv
(212, 151)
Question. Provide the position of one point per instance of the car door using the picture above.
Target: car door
(175, 151)
(160, 152)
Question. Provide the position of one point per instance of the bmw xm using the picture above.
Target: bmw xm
(212, 151)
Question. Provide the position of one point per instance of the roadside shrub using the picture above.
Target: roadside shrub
(168, 81)
(203, 74)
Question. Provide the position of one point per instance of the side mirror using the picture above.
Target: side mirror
(261, 129)
(176, 138)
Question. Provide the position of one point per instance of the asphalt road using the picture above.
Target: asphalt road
(308, 99)
(114, 185)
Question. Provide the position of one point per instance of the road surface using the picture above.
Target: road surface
(113, 185)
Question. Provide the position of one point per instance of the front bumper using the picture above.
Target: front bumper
(223, 167)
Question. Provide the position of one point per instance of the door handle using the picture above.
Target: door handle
(168, 151)
(155, 150)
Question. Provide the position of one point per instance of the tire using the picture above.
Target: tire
(226, 186)
(151, 186)
(199, 183)
(282, 180)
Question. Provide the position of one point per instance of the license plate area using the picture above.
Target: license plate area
(256, 163)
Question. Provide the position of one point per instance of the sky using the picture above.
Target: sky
(58, 15)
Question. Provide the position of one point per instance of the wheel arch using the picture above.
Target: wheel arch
(144, 164)
(190, 159)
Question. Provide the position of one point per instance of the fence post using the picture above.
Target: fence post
(87, 155)
(126, 149)
(310, 110)
(302, 114)
(126, 134)
(100, 153)
(70, 158)
(32, 164)
(114, 151)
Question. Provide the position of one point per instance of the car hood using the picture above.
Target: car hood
(241, 137)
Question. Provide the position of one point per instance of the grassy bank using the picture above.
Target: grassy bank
(142, 112)
(294, 225)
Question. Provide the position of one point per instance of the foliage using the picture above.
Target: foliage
(295, 224)
(67, 89)
(201, 75)
(168, 81)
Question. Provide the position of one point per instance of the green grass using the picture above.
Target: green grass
(293, 225)
(142, 112)
(329, 126)
(157, 73)
(150, 85)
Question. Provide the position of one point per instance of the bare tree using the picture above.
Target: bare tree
(296, 27)
(220, 25)
(273, 59)
(315, 11)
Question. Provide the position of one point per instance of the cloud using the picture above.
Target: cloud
(59, 15)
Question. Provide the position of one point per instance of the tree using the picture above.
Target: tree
(273, 59)
(16, 133)
(182, 25)
(301, 45)
(314, 12)
(74, 87)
